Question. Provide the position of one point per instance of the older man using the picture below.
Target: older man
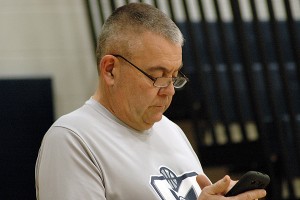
(119, 145)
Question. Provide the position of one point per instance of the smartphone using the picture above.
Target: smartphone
(249, 181)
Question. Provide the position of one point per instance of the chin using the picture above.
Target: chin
(157, 118)
(153, 117)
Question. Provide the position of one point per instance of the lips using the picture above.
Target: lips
(159, 108)
(160, 105)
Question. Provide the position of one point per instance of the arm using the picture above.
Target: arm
(218, 190)
(65, 168)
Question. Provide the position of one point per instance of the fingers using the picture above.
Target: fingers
(253, 194)
(203, 181)
(217, 190)
(219, 187)
(213, 191)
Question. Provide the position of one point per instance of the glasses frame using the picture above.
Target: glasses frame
(153, 78)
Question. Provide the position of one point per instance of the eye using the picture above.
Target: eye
(157, 74)
(175, 74)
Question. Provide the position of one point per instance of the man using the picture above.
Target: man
(119, 145)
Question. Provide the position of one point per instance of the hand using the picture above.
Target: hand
(217, 190)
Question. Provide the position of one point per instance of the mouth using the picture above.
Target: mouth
(159, 106)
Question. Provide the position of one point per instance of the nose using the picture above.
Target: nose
(169, 90)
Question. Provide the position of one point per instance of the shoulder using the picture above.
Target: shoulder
(82, 114)
(80, 119)
(67, 129)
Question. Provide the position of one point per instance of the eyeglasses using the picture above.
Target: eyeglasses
(161, 82)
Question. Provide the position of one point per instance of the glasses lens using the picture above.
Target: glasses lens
(179, 82)
(162, 82)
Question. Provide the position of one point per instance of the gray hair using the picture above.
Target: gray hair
(128, 22)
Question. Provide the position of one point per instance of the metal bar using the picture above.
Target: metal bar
(196, 55)
(171, 10)
(112, 5)
(155, 3)
(195, 107)
(208, 45)
(245, 56)
(100, 8)
(238, 109)
(262, 52)
(287, 97)
(91, 25)
(294, 40)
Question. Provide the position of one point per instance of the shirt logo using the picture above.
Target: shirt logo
(169, 186)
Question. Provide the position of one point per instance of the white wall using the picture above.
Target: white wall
(49, 38)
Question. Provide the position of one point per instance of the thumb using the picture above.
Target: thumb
(203, 181)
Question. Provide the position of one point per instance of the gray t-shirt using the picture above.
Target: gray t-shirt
(90, 154)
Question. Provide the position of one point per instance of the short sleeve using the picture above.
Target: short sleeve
(66, 169)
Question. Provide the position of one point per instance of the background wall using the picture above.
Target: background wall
(49, 38)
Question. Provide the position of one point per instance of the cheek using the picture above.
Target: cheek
(137, 96)
(169, 102)
(142, 97)
(137, 92)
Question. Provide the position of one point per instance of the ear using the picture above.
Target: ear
(107, 69)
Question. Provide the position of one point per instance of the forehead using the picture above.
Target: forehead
(156, 50)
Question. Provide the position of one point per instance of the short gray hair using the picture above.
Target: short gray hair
(129, 21)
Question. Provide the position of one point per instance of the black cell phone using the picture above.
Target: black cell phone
(249, 181)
